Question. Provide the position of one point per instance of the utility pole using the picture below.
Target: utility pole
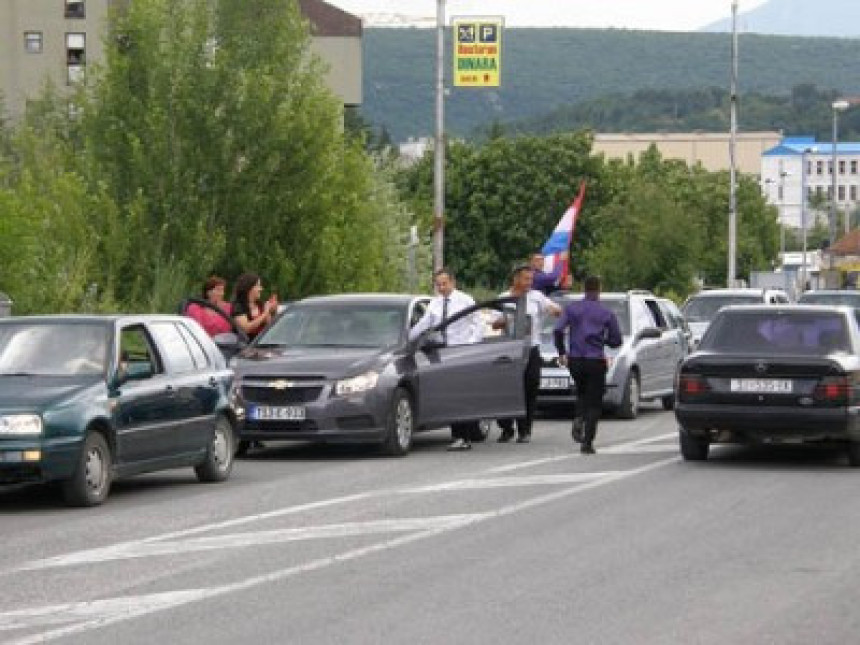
(733, 197)
(439, 144)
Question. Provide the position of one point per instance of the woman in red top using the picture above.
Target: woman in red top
(249, 314)
(211, 321)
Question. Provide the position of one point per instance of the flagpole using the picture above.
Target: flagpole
(439, 144)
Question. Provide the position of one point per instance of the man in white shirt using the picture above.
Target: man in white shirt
(448, 302)
(538, 306)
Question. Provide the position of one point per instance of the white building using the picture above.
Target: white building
(801, 164)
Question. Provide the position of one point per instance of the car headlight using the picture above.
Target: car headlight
(19, 425)
(357, 384)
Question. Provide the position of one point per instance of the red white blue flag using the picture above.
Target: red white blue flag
(556, 251)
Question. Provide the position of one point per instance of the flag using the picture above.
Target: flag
(556, 251)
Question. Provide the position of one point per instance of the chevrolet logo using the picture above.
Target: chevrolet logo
(280, 384)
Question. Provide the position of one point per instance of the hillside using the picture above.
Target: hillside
(799, 17)
(546, 69)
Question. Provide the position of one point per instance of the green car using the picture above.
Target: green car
(85, 400)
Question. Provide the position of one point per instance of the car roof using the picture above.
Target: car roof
(830, 292)
(105, 319)
(788, 308)
(740, 291)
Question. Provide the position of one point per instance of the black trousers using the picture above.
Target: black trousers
(532, 385)
(464, 430)
(589, 374)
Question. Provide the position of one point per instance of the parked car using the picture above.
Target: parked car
(642, 369)
(699, 309)
(847, 297)
(340, 369)
(765, 374)
(85, 400)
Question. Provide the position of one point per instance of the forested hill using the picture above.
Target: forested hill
(545, 69)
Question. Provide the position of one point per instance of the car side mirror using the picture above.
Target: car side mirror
(647, 332)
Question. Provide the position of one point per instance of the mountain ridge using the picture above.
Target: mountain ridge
(828, 18)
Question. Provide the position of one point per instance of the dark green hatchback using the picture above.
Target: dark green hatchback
(88, 399)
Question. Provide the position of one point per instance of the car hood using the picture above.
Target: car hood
(40, 392)
(326, 362)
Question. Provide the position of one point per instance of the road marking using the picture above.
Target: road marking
(617, 449)
(128, 608)
(508, 482)
(131, 550)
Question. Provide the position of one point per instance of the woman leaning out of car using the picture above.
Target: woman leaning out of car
(249, 313)
(211, 321)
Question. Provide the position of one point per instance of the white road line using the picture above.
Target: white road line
(508, 482)
(130, 608)
(575, 455)
(639, 450)
(129, 551)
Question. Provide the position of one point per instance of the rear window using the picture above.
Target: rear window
(850, 299)
(615, 305)
(704, 308)
(795, 332)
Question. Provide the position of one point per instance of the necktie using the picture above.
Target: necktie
(444, 318)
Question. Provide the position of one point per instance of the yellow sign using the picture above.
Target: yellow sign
(477, 52)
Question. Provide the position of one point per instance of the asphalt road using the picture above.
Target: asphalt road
(504, 544)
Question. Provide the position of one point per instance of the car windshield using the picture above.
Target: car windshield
(851, 299)
(617, 306)
(53, 349)
(778, 332)
(338, 325)
(704, 308)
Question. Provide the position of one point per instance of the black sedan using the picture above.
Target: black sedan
(87, 399)
(340, 369)
(766, 374)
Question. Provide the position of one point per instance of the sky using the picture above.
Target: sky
(661, 15)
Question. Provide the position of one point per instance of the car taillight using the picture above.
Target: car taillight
(833, 389)
(690, 385)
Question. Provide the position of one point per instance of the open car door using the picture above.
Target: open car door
(479, 380)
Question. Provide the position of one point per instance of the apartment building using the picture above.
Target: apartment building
(799, 168)
(57, 39)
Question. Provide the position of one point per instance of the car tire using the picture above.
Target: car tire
(91, 481)
(668, 402)
(853, 454)
(218, 464)
(629, 408)
(693, 448)
(400, 424)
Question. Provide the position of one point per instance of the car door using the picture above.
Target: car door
(647, 351)
(145, 403)
(669, 345)
(194, 385)
(481, 380)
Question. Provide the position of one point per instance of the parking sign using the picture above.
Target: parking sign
(477, 51)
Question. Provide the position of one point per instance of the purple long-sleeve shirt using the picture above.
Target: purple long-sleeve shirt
(591, 327)
(547, 282)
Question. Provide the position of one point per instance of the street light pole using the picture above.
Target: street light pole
(782, 175)
(733, 198)
(803, 201)
(439, 144)
(838, 106)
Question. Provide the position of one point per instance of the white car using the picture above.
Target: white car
(700, 308)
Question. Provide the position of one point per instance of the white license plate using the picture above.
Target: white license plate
(278, 413)
(554, 383)
(761, 385)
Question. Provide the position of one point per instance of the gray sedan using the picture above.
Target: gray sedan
(341, 369)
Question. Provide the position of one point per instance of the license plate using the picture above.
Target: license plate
(278, 413)
(761, 385)
(554, 383)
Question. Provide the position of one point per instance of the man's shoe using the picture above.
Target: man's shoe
(524, 438)
(578, 429)
(506, 436)
(587, 449)
(459, 444)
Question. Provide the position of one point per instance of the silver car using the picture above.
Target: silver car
(642, 369)
(700, 308)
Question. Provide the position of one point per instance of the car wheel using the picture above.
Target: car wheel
(629, 408)
(853, 454)
(218, 464)
(668, 402)
(693, 448)
(90, 484)
(401, 424)
(480, 431)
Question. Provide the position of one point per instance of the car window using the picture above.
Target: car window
(618, 306)
(338, 325)
(704, 308)
(778, 333)
(53, 349)
(657, 314)
(137, 355)
(670, 318)
(201, 360)
(176, 353)
(417, 312)
(849, 298)
(642, 316)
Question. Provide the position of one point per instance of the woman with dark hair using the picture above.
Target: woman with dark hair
(249, 314)
(211, 321)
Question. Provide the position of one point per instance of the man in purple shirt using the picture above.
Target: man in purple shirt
(591, 327)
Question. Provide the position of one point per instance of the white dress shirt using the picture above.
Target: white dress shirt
(467, 330)
(537, 307)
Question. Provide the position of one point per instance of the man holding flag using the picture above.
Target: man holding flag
(552, 264)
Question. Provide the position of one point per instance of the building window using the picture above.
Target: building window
(33, 42)
(829, 192)
(780, 193)
(75, 56)
(853, 193)
(829, 167)
(819, 167)
(842, 167)
(810, 191)
(808, 168)
(841, 193)
(854, 167)
(75, 9)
